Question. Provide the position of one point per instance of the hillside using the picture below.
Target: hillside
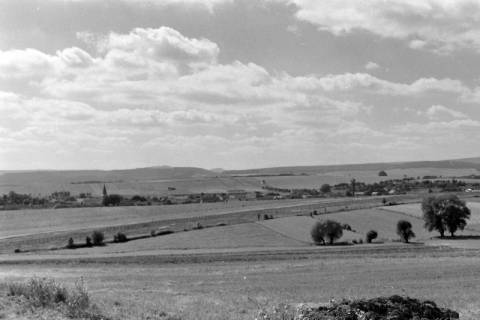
(185, 180)
(468, 163)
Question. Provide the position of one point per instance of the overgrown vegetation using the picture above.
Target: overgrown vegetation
(390, 308)
(46, 293)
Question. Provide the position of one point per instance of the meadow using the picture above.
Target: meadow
(232, 270)
(237, 290)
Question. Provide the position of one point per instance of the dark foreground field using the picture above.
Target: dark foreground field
(237, 289)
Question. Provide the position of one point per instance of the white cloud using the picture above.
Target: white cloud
(154, 88)
(441, 25)
(371, 65)
(439, 111)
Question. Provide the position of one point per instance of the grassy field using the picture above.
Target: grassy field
(36, 221)
(236, 290)
(415, 210)
(299, 228)
(367, 176)
(52, 228)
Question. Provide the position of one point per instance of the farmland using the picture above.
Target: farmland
(236, 290)
(236, 264)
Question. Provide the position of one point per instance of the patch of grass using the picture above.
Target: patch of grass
(46, 293)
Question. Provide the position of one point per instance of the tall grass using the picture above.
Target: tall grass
(46, 293)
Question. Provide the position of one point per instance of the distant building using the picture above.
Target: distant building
(237, 194)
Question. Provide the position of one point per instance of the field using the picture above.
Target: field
(232, 271)
(367, 176)
(415, 210)
(35, 221)
(236, 290)
(157, 181)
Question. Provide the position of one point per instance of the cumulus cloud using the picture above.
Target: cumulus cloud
(371, 65)
(439, 111)
(153, 88)
(440, 25)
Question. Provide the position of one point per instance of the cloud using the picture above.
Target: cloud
(208, 4)
(439, 111)
(157, 92)
(371, 65)
(442, 26)
(365, 81)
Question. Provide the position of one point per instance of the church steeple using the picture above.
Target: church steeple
(104, 191)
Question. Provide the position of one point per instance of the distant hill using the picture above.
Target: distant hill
(470, 163)
(165, 180)
(45, 182)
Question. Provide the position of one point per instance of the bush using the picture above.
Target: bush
(46, 293)
(120, 237)
(39, 292)
(153, 233)
(88, 241)
(326, 230)
(371, 235)
(347, 227)
(404, 230)
(393, 307)
(97, 238)
(70, 244)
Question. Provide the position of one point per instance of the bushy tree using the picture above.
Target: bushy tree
(97, 238)
(112, 200)
(325, 188)
(445, 213)
(371, 235)
(404, 230)
(326, 230)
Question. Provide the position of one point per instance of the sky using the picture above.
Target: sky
(235, 84)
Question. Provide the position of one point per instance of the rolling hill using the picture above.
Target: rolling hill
(185, 180)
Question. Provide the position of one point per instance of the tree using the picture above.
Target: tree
(112, 199)
(404, 230)
(326, 230)
(445, 212)
(325, 188)
(371, 235)
(382, 173)
(98, 237)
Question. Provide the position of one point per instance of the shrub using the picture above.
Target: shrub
(46, 293)
(371, 235)
(17, 250)
(88, 241)
(39, 292)
(404, 230)
(70, 244)
(98, 237)
(326, 230)
(120, 237)
(346, 226)
(266, 217)
(153, 233)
